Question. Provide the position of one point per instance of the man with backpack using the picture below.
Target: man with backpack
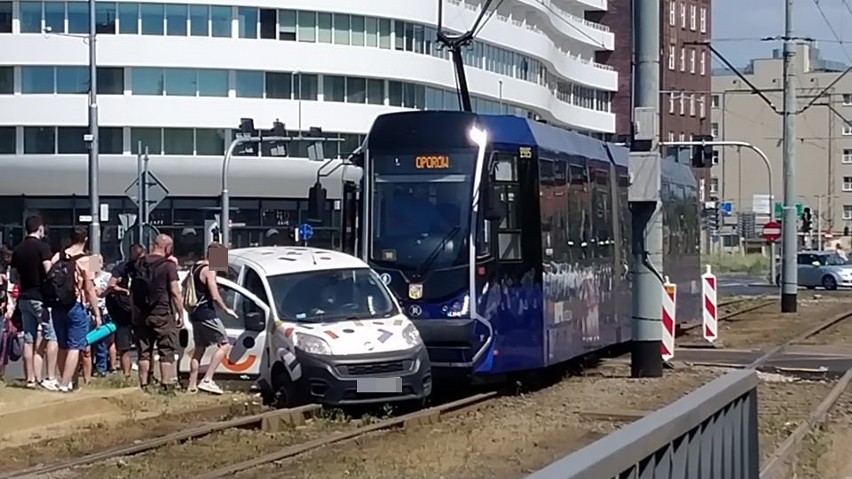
(201, 294)
(31, 260)
(119, 308)
(156, 298)
(70, 286)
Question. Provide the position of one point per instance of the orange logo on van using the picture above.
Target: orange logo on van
(234, 367)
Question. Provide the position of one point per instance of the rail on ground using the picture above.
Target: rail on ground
(711, 433)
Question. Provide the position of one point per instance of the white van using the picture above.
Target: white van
(316, 326)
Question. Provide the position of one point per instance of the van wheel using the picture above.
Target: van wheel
(285, 393)
(829, 283)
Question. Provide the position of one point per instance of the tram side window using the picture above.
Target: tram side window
(624, 217)
(602, 214)
(579, 214)
(560, 211)
(507, 186)
(549, 228)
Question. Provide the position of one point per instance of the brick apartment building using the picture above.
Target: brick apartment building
(685, 69)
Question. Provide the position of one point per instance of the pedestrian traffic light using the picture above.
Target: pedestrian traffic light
(807, 220)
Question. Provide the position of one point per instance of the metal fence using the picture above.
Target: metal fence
(710, 433)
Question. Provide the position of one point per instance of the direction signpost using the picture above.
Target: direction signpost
(771, 231)
(146, 192)
(304, 232)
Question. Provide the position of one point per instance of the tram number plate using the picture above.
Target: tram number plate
(379, 385)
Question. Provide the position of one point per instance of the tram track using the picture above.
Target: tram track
(760, 302)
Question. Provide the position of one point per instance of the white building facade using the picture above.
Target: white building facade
(179, 76)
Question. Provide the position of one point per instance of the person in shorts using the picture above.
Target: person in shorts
(158, 320)
(207, 329)
(118, 306)
(31, 260)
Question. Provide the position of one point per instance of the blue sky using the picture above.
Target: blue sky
(738, 25)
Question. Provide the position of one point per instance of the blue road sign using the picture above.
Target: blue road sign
(714, 236)
(726, 208)
(306, 232)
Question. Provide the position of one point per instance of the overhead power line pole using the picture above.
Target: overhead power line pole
(789, 239)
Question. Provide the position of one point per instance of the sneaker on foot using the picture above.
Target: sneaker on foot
(209, 386)
(50, 384)
(31, 385)
(65, 389)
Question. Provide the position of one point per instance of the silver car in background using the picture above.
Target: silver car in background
(825, 269)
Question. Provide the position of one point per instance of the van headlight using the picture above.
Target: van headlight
(312, 345)
(412, 336)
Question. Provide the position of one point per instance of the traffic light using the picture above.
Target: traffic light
(703, 156)
(807, 220)
(711, 219)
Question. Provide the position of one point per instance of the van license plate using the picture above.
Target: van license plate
(379, 385)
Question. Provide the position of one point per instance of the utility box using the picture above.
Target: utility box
(645, 168)
(644, 124)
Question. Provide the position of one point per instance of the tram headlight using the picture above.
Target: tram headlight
(312, 345)
(412, 336)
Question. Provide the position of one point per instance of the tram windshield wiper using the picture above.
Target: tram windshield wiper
(435, 252)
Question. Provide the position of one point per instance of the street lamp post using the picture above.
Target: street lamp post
(94, 196)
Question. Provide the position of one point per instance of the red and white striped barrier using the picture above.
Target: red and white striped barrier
(710, 312)
(669, 316)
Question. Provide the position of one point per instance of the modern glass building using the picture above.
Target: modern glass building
(178, 77)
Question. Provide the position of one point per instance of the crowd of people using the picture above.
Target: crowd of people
(50, 302)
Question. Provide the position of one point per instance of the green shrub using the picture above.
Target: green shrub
(753, 264)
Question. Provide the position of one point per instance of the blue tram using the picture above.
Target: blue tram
(506, 240)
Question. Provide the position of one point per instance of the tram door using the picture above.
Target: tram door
(350, 221)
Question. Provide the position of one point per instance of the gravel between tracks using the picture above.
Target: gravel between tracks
(825, 453)
(508, 438)
(768, 326)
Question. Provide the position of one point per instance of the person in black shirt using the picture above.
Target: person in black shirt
(31, 261)
(118, 305)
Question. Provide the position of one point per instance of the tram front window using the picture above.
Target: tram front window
(421, 211)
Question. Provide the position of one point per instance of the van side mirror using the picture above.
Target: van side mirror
(255, 321)
(316, 202)
(494, 206)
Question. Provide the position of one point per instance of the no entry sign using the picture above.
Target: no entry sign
(772, 231)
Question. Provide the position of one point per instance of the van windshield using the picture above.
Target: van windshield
(331, 295)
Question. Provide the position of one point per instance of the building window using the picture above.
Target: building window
(269, 21)
(178, 141)
(153, 18)
(30, 17)
(72, 80)
(714, 130)
(847, 183)
(307, 26)
(213, 83)
(714, 185)
(682, 136)
(703, 63)
(70, 140)
(847, 212)
(682, 15)
(287, 31)
(682, 103)
(220, 22)
(54, 17)
(671, 57)
(279, 85)
(177, 18)
(105, 18)
(703, 20)
(128, 18)
(147, 81)
(847, 156)
(39, 140)
(683, 59)
(5, 20)
(199, 20)
(714, 101)
(151, 138)
(334, 88)
(37, 80)
(78, 17)
(8, 140)
(693, 17)
(672, 13)
(7, 80)
(671, 102)
(847, 99)
(702, 107)
(671, 136)
(247, 22)
(249, 84)
(180, 81)
(692, 104)
(692, 60)
(111, 140)
(341, 29)
(209, 142)
(846, 130)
